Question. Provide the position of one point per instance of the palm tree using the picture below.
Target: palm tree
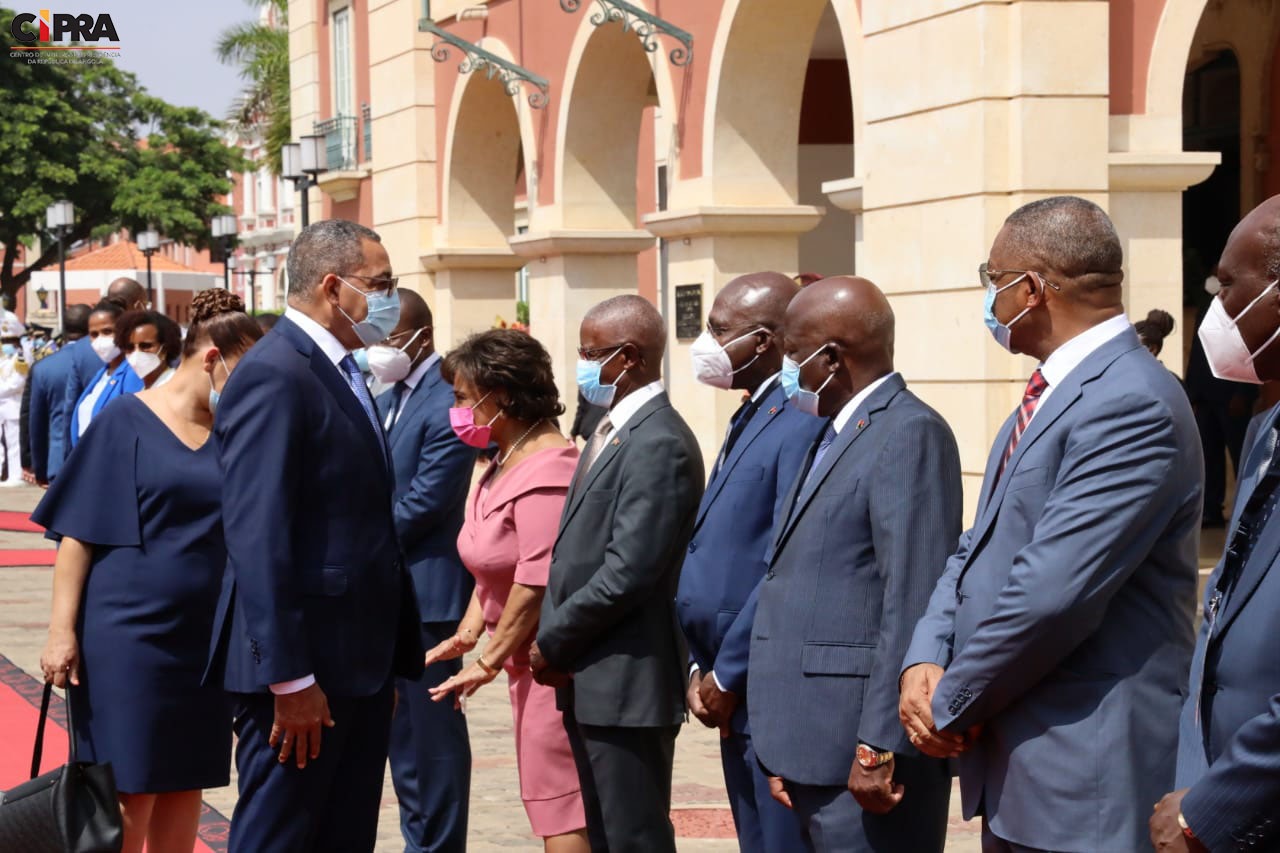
(261, 50)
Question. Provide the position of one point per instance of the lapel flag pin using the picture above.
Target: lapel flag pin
(861, 424)
(616, 442)
(774, 410)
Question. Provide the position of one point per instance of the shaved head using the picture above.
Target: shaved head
(414, 313)
(127, 293)
(761, 298)
(1250, 262)
(632, 319)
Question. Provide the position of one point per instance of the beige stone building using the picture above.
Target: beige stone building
(663, 147)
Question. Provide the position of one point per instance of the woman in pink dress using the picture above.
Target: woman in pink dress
(505, 395)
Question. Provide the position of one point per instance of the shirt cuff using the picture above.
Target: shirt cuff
(284, 688)
(693, 667)
(716, 679)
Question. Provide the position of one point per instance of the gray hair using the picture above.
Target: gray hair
(324, 247)
(633, 315)
(1071, 235)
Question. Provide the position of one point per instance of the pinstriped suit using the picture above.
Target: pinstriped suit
(859, 545)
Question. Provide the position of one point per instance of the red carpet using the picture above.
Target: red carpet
(18, 522)
(19, 713)
(41, 557)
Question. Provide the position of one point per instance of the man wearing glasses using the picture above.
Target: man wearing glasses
(608, 638)
(317, 613)
(1054, 653)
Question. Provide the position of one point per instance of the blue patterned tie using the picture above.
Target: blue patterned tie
(828, 438)
(356, 381)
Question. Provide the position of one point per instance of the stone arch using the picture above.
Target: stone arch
(1168, 66)
(757, 80)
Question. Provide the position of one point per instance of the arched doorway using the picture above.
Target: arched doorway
(1211, 122)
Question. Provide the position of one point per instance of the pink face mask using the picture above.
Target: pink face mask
(470, 433)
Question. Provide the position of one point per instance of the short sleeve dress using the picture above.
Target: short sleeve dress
(150, 507)
(507, 538)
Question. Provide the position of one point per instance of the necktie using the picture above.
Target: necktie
(1036, 386)
(356, 381)
(597, 443)
(737, 424)
(828, 437)
(397, 397)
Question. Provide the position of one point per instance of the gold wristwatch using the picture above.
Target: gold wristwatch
(870, 759)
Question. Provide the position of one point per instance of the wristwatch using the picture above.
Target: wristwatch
(870, 759)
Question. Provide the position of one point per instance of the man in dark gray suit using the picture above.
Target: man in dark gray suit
(859, 543)
(608, 637)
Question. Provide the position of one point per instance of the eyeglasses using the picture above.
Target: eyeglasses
(379, 284)
(988, 276)
(593, 353)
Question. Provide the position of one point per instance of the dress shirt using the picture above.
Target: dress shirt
(336, 352)
(90, 400)
(626, 408)
(1066, 358)
(411, 382)
(846, 412)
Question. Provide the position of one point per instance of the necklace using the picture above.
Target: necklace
(502, 460)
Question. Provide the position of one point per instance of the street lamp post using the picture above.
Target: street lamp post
(223, 228)
(149, 242)
(302, 162)
(268, 264)
(60, 217)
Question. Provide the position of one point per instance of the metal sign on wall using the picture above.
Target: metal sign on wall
(688, 311)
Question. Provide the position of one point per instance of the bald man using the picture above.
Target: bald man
(858, 545)
(608, 617)
(128, 294)
(1228, 777)
(1054, 653)
(430, 754)
(764, 446)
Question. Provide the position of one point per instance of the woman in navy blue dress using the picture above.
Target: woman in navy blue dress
(138, 509)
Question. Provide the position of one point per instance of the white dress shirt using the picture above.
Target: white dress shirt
(411, 383)
(336, 352)
(91, 399)
(626, 408)
(846, 411)
(1066, 358)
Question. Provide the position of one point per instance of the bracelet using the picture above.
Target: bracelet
(488, 670)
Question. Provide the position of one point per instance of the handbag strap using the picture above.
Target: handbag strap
(38, 752)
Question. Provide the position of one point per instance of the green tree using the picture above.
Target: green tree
(92, 135)
(261, 50)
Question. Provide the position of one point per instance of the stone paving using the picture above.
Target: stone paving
(497, 819)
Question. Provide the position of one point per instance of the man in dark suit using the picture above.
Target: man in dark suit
(316, 609)
(764, 447)
(130, 296)
(430, 752)
(1228, 779)
(858, 545)
(1063, 621)
(48, 417)
(608, 638)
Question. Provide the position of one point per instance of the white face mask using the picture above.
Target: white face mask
(105, 347)
(1225, 348)
(388, 364)
(143, 363)
(712, 365)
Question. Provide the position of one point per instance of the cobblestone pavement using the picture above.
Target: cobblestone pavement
(497, 820)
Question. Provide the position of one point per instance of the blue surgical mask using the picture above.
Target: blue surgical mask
(9, 350)
(214, 394)
(361, 358)
(589, 383)
(801, 399)
(1001, 331)
(382, 319)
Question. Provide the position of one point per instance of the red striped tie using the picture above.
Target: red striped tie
(1030, 399)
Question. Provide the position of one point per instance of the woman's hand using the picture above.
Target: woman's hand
(60, 660)
(463, 684)
(454, 647)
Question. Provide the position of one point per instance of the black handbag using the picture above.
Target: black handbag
(73, 809)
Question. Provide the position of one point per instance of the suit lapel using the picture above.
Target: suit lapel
(1064, 396)
(859, 423)
(417, 399)
(1268, 544)
(769, 407)
(584, 479)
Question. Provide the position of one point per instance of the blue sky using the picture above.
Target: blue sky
(168, 44)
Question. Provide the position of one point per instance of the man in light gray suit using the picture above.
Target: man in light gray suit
(859, 543)
(1064, 619)
(608, 617)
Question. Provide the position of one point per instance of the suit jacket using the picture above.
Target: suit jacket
(314, 581)
(855, 556)
(433, 475)
(732, 531)
(47, 424)
(608, 615)
(85, 366)
(123, 381)
(1229, 739)
(1064, 619)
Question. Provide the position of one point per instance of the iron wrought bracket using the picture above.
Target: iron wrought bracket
(476, 58)
(648, 27)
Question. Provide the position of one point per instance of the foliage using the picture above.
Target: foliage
(522, 313)
(262, 52)
(92, 135)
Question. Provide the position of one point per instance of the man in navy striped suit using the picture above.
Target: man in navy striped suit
(858, 545)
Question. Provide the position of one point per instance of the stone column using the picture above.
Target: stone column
(473, 287)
